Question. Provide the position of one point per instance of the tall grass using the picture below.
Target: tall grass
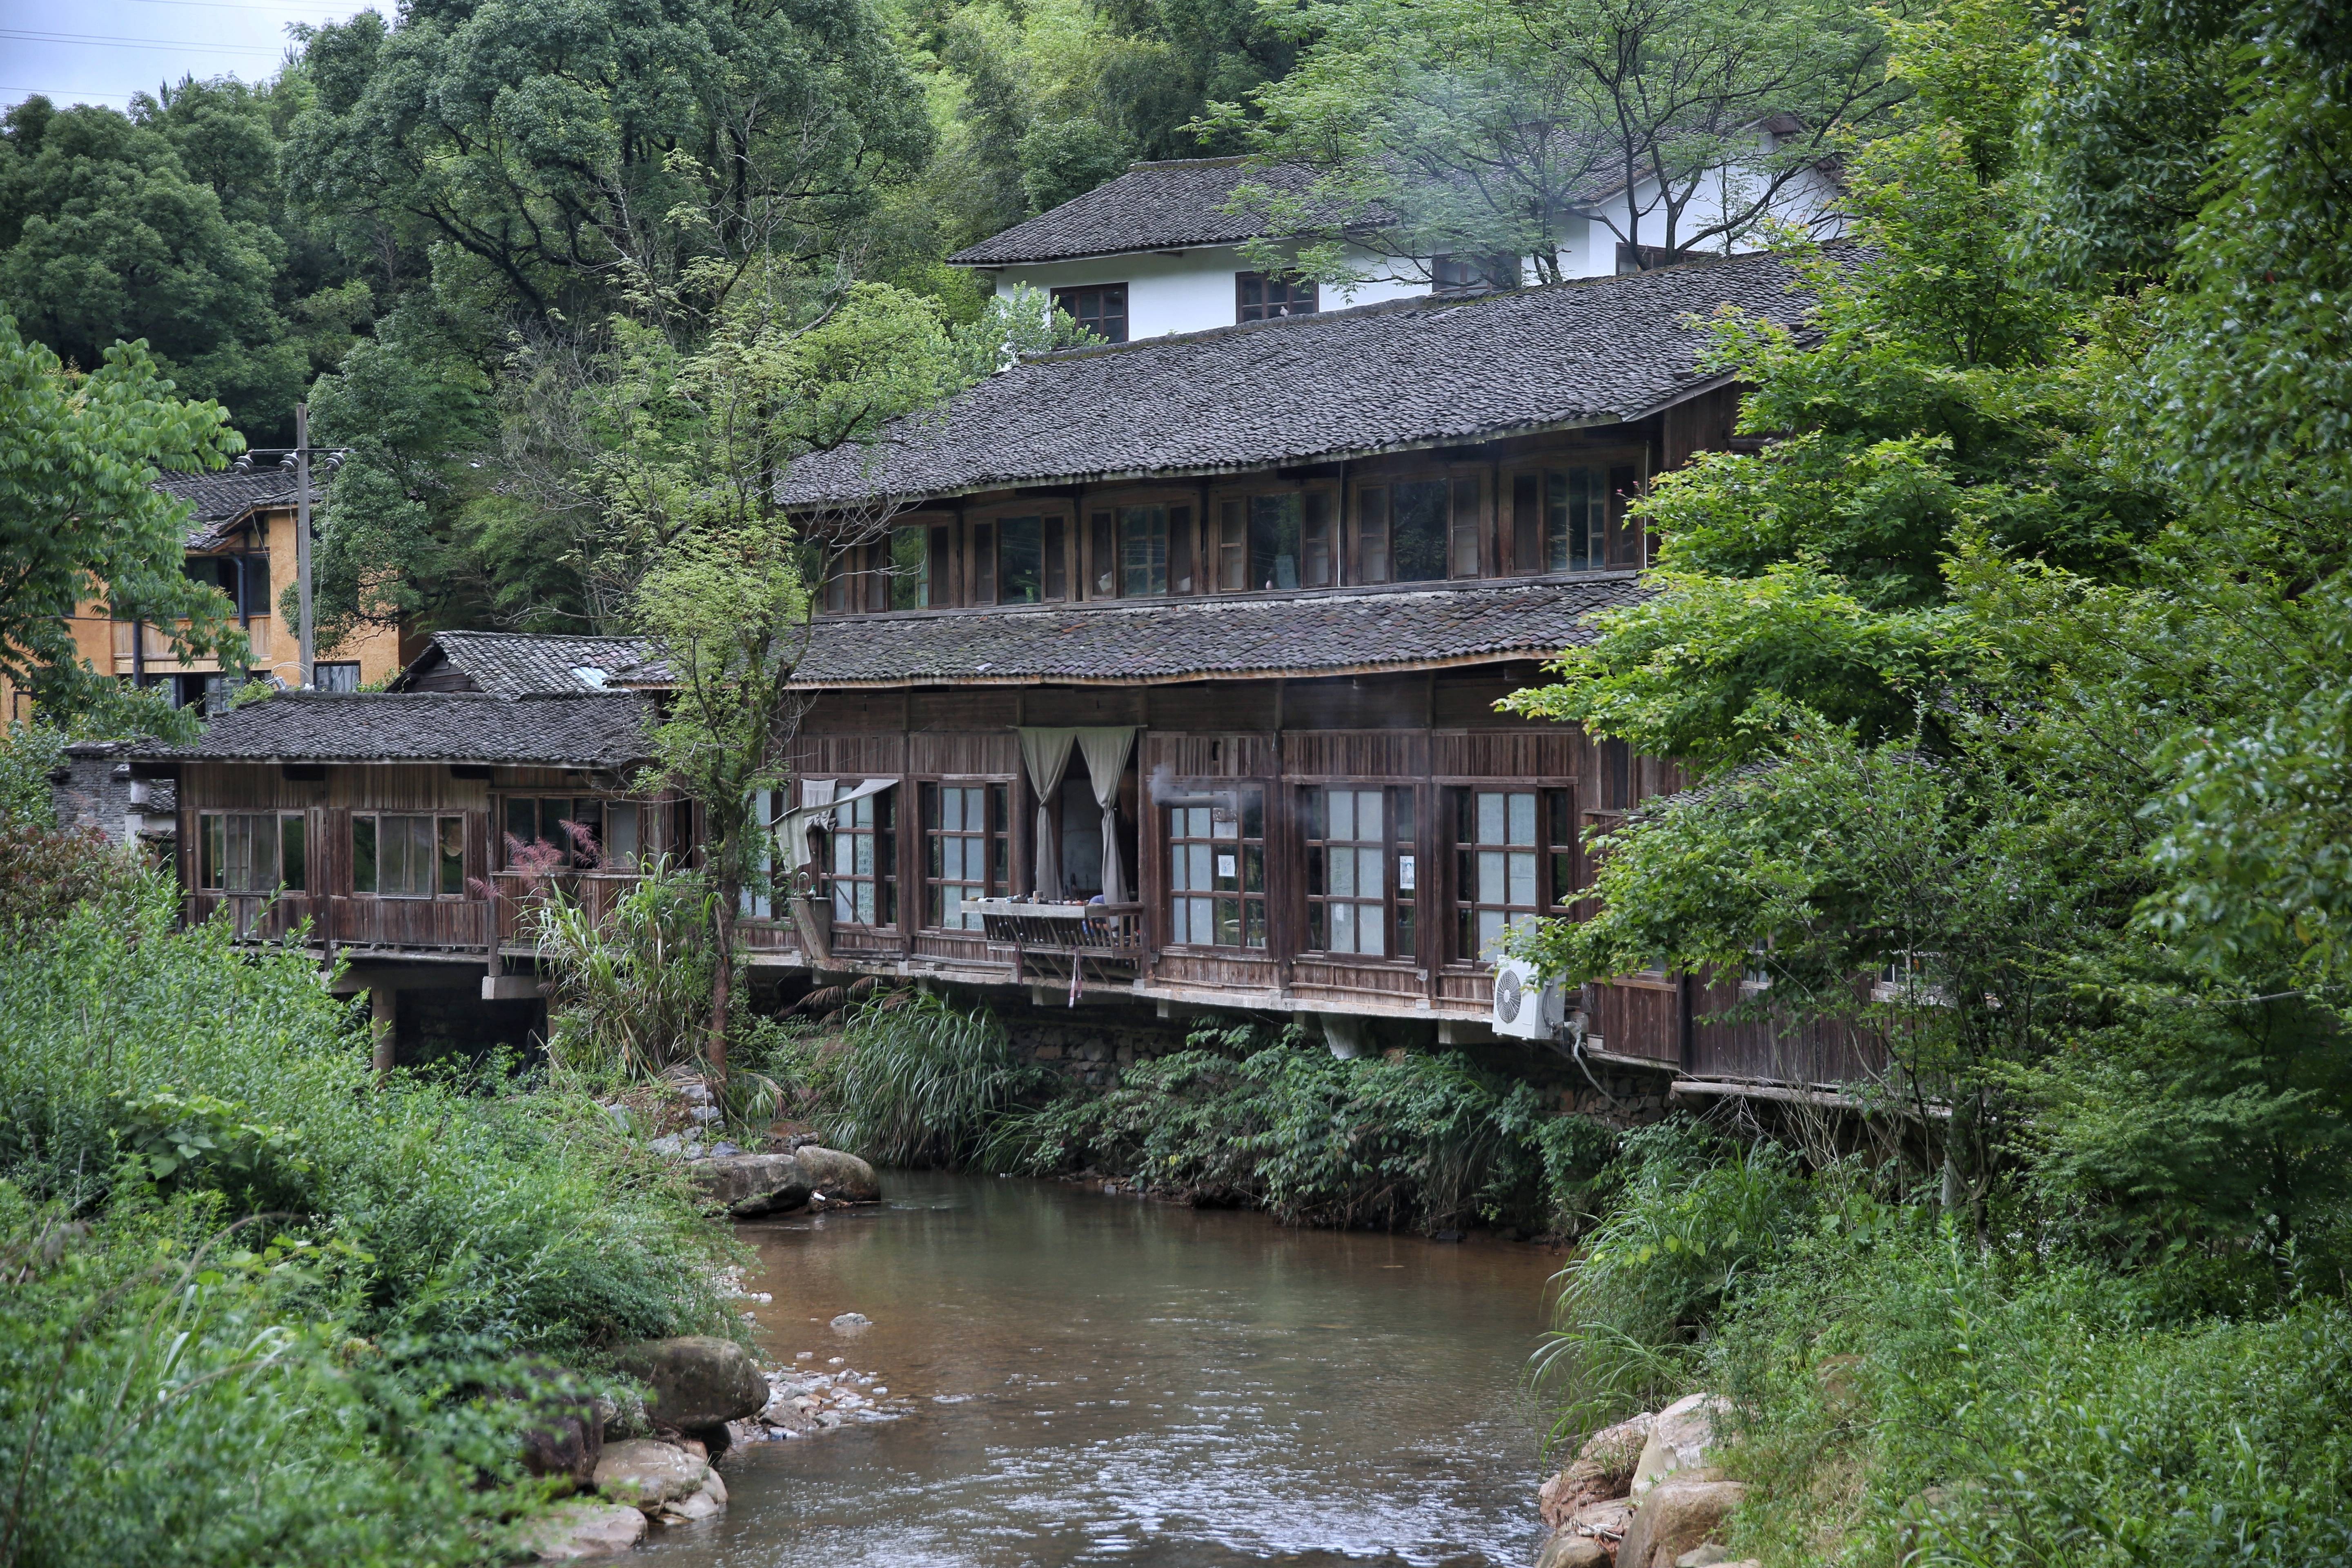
(919, 1081)
(629, 995)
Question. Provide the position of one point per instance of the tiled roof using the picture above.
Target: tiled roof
(1305, 389)
(1351, 630)
(221, 497)
(602, 730)
(521, 664)
(1152, 207)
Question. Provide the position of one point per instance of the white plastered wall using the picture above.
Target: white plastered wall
(1192, 291)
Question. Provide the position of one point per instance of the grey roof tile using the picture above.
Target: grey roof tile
(601, 730)
(520, 664)
(1315, 388)
(1152, 207)
(221, 497)
(1247, 634)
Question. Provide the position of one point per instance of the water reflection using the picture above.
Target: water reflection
(1098, 1380)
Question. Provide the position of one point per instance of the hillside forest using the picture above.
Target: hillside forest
(2013, 665)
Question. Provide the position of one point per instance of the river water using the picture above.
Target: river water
(1091, 1379)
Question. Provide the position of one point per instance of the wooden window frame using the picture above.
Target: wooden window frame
(1552, 861)
(1624, 549)
(1056, 516)
(1226, 554)
(1474, 528)
(1001, 809)
(1201, 793)
(442, 820)
(937, 587)
(1270, 309)
(212, 849)
(1126, 307)
(1090, 541)
(502, 826)
(884, 875)
(1399, 843)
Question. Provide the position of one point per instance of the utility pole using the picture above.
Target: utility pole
(302, 540)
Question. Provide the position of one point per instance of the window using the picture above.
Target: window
(1216, 870)
(587, 844)
(910, 568)
(1473, 274)
(408, 857)
(865, 862)
(967, 851)
(252, 852)
(1100, 308)
(1497, 874)
(1142, 550)
(1360, 871)
(1264, 296)
(242, 580)
(984, 563)
(1559, 837)
(338, 675)
(1560, 518)
(1420, 531)
(1274, 542)
(1020, 560)
(1616, 775)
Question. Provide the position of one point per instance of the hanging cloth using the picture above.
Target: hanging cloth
(1107, 750)
(819, 797)
(1046, 753)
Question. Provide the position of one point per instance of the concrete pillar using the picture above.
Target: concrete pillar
(384, 1019)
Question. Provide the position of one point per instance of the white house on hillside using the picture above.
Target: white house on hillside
(1156, 250)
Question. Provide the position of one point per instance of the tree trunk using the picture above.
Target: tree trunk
(723, 984)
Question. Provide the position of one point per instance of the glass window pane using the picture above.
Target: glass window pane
(1343, 813)
(1199, 857)
(1229, 922)
(1367, 931)
(1343, 928)
(910, 579)
(1253, 869)
(1315, 884)
(1491, 877)
(1368, 876)
(1274, 542)
(363, 853)
(1367, 814)
(1417, 532)
(862, 853)
(1021, 557)
(1319, 936)
(1142, 550)
(1491, 818)
(1254, 927)
(1523, 879)
(620, 830)
(1523, 819)
(1203, 930)
(293, 857)
(1490, 930)
(865, 903)
(1342, 871)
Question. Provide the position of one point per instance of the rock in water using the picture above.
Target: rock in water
(841, 1178)
(696, 1381)
(1566, 1549)
(1589, 1538)
(582, 1528)
(564, 1442)
(850, 1322)
(1674, 1517)
(647, 1474)
(749, 1185)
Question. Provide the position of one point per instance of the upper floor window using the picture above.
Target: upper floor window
(1029, 562)
(1263, 296)
(1100, 308)
(1473, 274)
(1142, 551)
(1216, 870)
(918, 567)
(576, 833)
(1274, 542)
(251, 851)
(1566, 519)
(407, 857)
(244, 579)
(1418, 531)
(336, 675)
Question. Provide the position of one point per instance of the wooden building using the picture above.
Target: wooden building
(1168, 685)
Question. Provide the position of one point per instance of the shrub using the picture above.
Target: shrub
(524, 1217)
(628, 995)
(1416, 1141)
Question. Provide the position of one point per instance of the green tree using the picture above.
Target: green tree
(106, 235)
(1482, 127)
(80, 521)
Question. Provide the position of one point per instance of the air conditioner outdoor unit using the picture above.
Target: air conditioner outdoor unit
(1527, 1006)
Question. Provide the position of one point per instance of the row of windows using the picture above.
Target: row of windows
(1101, 307)
(404, 855)
(1363, 893)
(1562, 518)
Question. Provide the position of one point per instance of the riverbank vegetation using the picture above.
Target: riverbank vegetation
(237, 1265)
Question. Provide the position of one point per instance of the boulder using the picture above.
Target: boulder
(1566, 1549)
(582, 1528)
(696, 1381)
(1588, 1538)
(1680, 1436)
(841, 1178)
(647, 1474)
(565, 1443)
(1603, 1468)
(1673, 1517)
(696, 1505)
(748, 1186)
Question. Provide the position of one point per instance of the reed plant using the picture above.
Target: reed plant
(921, 1081)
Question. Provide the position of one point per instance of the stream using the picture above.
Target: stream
(1074, 1377)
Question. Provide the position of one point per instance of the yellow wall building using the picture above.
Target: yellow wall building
(241, 539)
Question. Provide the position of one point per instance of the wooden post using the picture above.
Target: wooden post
(384, 1020)
(309, 652)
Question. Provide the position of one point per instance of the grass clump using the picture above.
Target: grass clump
(917, 1080)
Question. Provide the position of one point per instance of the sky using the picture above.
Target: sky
(102, 51)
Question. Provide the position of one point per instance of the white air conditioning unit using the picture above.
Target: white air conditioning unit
(1527, 1006)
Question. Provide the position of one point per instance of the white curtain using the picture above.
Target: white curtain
(818, 798)
(1046, 753)
(1106, 752)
